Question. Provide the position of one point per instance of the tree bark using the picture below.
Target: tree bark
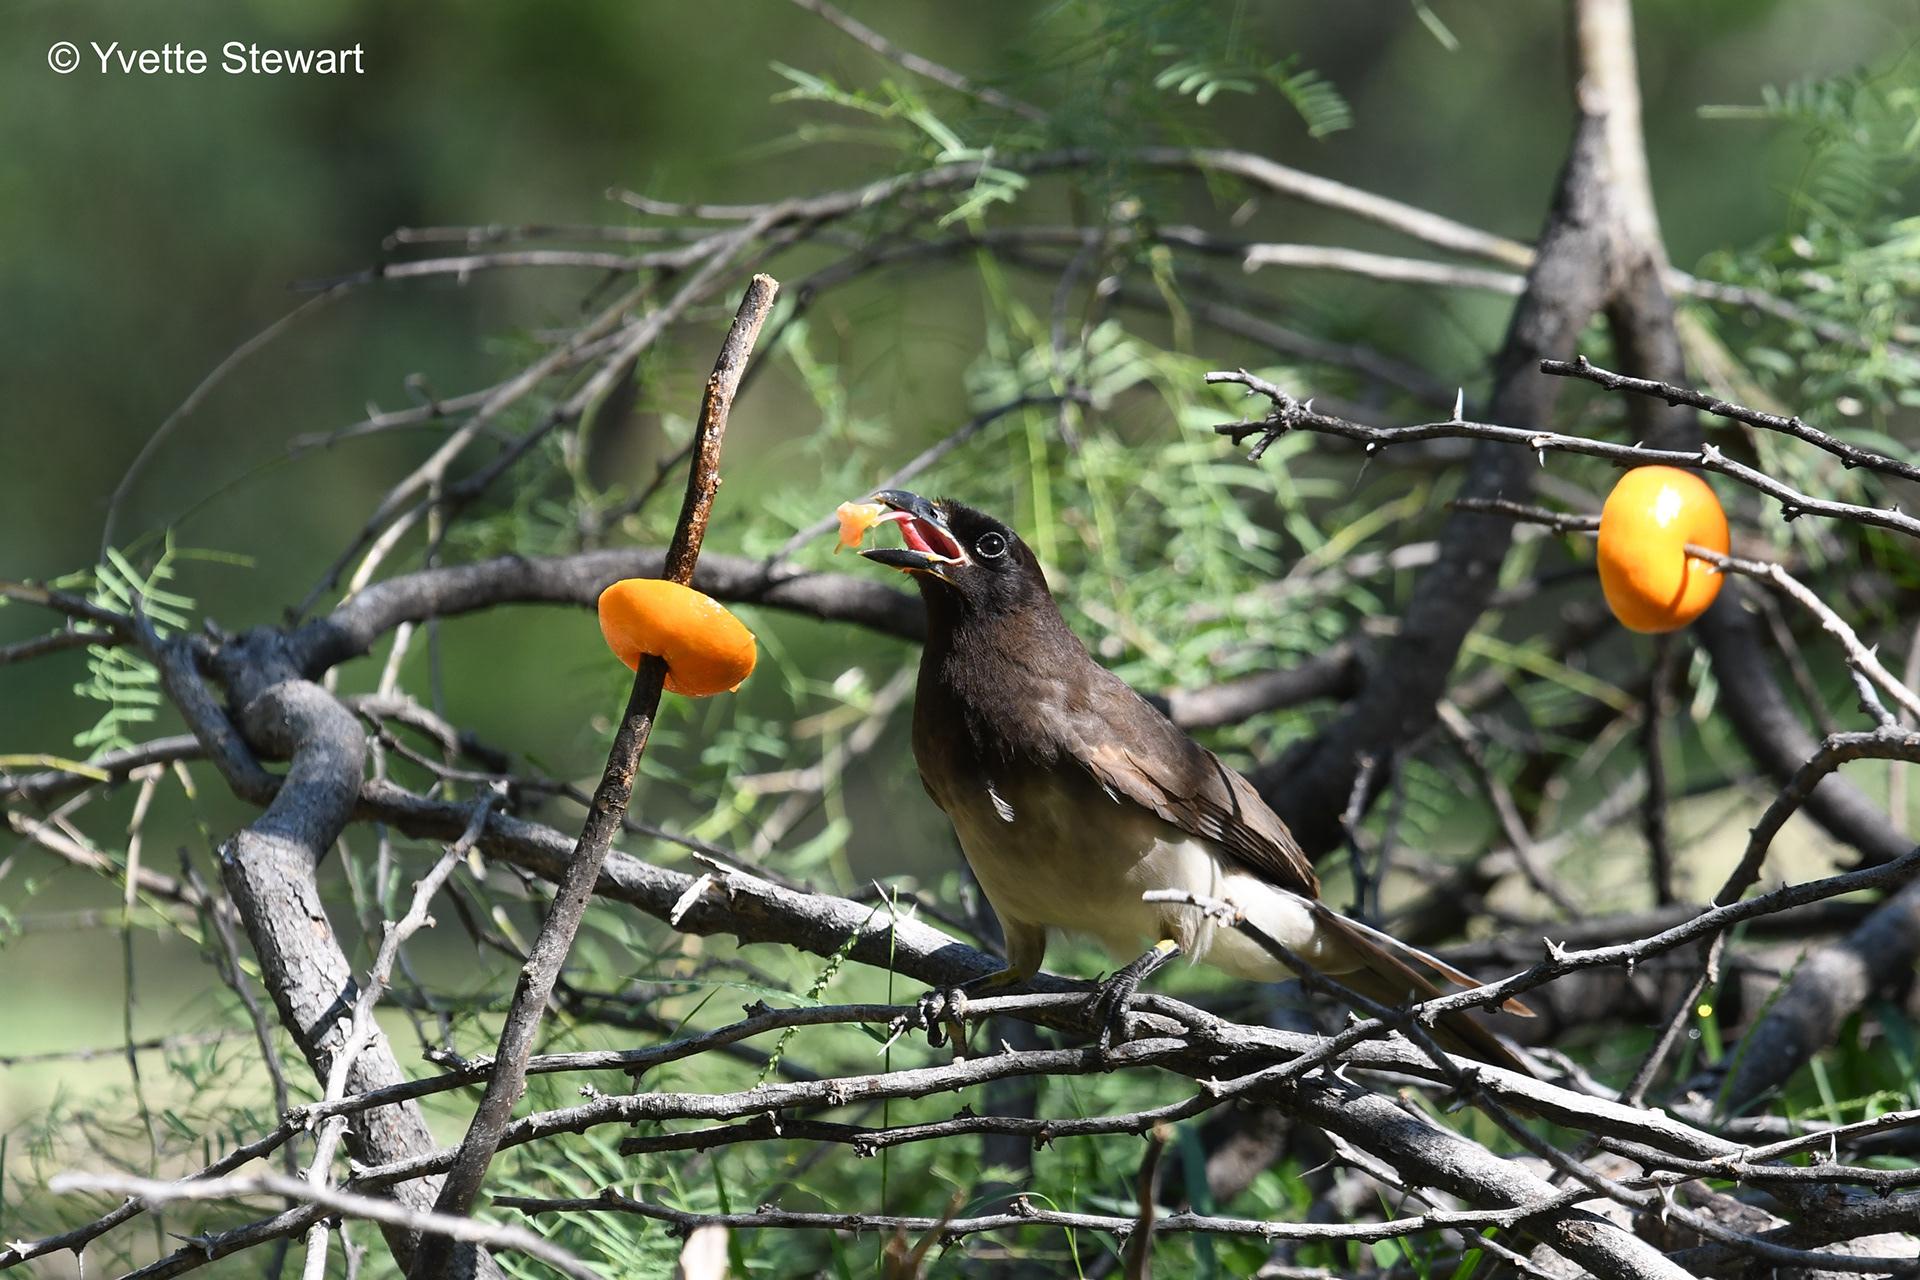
(268, 870)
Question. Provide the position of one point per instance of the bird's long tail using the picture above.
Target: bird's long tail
(1439, 966)
(1385, 977)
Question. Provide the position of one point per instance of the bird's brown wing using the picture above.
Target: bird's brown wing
(1135, 752)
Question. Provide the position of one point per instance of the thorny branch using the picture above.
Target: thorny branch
(1291, 415)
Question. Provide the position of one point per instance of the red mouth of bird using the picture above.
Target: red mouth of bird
(928, 539)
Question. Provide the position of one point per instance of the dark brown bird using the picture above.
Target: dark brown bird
(1073, 796)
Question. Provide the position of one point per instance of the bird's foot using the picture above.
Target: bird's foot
(1109, 1006)
(941, 1009)
(946, 1007)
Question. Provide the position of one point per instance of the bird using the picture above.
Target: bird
(1073, 797)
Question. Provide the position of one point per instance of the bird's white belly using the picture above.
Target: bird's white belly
(1048, 864)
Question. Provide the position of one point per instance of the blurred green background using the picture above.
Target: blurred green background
(149, 224)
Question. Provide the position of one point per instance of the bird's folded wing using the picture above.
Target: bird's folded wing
(1135, 752)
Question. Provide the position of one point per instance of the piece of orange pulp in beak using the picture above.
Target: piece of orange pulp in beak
(855, 519)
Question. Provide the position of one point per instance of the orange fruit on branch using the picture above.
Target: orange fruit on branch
(1651, 583)
(707, 649)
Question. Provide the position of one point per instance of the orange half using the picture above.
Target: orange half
(706, 648)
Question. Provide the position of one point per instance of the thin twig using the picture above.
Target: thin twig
(1519, 839)
(1291, 415)
(918, 65)
(361, 1030)
(1380, 266)
(498, 399)
(932, 454)
(26, 1250)
(1653, 813)
(147, 880)
(388, 1212)
(236, 978)
(1859, 657)
(1024, 1214)
(159, 1044)
(497, 233)
(466, 265)
(1851, 455)
(1558, 521)
(57, 642)
(537, 977)
(198, 395)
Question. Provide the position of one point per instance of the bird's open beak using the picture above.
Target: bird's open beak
(930, 547)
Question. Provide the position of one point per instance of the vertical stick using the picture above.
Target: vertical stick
(542, 968)
(1653, 813)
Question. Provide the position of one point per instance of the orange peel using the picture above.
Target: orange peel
(706, 648)
(855, 519)
(1651, 583)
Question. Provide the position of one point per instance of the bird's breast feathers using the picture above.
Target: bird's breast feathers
(1048, 855)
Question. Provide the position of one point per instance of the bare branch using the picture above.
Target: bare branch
(145, 879)
(1290, 415)
(1442, 233)
(1859, 657)
(466, 265)
(1335, 672)
(537, 976)
(1379, 266)
(1565, 287)
(57, 642)
(71, 605)
(236, 979)
(385, 1212)
(1519, 839)
(498, 399)
(1852, 455)
(917, 64)
(111, 766)
(27, 1250)
(496, 233)
(159, 1044)
(199, 394)
(1558, 521)
(356, 625)
(1828, 987)
(1025, 1214)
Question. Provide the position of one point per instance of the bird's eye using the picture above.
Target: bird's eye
(991, 546)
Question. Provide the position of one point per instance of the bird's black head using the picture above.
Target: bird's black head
(962, 558)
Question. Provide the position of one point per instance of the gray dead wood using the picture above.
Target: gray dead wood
(268, 869)
(1425, 1155)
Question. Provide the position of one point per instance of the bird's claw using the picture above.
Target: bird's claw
(1109, 1010)
(1109, 1006)
(939, 1010)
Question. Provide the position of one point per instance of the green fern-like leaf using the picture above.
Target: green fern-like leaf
(125, 681)
(1200, 79)
(1318, 102)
